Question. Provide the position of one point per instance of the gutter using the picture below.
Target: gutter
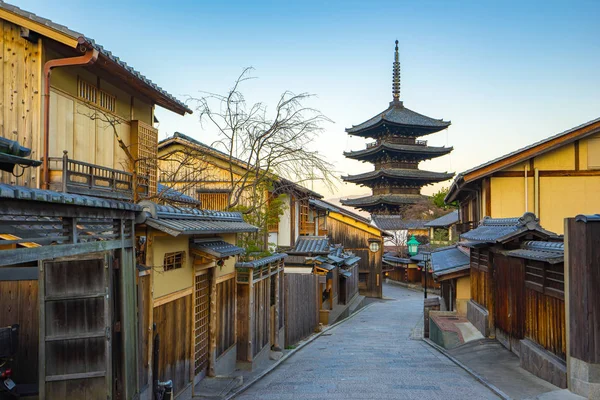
(87, 59)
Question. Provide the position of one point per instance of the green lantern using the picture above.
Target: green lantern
(413, 246)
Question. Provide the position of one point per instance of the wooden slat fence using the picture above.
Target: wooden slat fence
(301, 306)
(510, 295)
(172, 323)
(225, 315)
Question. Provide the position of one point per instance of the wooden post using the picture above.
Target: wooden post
(212, 328)
(250, 314)
(277, 300)
(42, 331)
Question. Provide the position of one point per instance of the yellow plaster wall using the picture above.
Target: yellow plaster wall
(589, 153)
(559, 159)
(562, 197)
(166, 282)
(229, 266)
(518, 167)
(508, 196)
(463, 294)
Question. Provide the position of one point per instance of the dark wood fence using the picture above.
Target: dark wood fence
(225, 315)
(301, 306)
(173, 325)
(482, 289)
(348, 285)
(19, 305)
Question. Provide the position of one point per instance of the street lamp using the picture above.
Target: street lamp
(413, 246)
(426, 261)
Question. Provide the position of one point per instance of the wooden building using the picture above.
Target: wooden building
(401, 269)
(357, 235)
(396, 153)
(487, 244)
(67, 276)
(188, 290)
(442, 230)
(77, 106)
(555, 178)
(212, 177)
(450, 267)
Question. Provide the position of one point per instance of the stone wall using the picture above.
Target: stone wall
(478, 316)
(543, 364)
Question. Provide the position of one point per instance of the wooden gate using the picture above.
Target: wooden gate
(75, 333)
(201, 323)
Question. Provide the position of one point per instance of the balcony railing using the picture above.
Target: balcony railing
(398, 140)
(79, 177)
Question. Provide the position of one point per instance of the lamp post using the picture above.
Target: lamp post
(426, 260)
(413, 246)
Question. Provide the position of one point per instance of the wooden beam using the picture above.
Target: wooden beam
(531, 174)
(533, 151)
(19, 274)
(42, 29)
(19, 256)
(576, 148)
(172, 296)
(226, 277)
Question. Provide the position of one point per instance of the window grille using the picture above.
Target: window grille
(173, 260)
(90, 93)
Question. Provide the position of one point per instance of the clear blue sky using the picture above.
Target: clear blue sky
(506, 75)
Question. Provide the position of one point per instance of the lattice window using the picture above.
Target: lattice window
(214, 201)
(107, 101)
(90, 93)
(173, 260)
(86, 91)
(146, 154)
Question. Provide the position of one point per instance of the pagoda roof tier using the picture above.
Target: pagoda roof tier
(418, 152)
(387, 199)
(399, 174)
(398, 119)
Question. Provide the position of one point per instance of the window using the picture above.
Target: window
(90, 93)
(594, 153)
(174, 260)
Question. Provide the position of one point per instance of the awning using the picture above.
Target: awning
(216, 247)
(176, 227)
(345, 274)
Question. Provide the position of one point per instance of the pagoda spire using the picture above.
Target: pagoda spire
(396, 76)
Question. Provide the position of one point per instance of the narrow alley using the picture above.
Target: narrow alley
(371, 356)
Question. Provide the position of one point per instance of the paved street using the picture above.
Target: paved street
(371, 356)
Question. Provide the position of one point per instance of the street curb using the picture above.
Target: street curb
(474, 374)
(245, 387)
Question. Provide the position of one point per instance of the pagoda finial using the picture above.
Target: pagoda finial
(396, 78)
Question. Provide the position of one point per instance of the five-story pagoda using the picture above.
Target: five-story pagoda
(396, 152)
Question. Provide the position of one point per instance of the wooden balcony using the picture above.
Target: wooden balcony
(78, 177)
(398, 140)
(465, 227)
(307, 228)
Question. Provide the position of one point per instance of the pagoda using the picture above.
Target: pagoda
(396, 181)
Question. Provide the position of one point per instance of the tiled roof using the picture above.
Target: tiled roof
(588, 218)
(396, 223)
(216, 247)
(425, 152)
(48, 196)
(550, 252)
(448, 259)
(397, 114)
(12, 153)
(444, 221)
(394, 259)
(393, 199)
(311, 245)
(173, 195)
(260, 262)
(190, 221)
(400, 173)
(76, 35)
(497, 230)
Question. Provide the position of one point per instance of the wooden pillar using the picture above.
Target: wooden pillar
(251, 316)
(212, 328)
(277, 300)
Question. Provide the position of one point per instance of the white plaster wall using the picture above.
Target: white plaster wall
(285, 221)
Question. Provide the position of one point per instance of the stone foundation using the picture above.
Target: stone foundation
(543, 364)
(584, 378)
(508, 341)
(479, 317)
(226, 363)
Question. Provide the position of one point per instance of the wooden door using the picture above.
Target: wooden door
(75, 328)
(201, 323)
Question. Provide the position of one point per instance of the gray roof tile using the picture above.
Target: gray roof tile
(383, 198)
(260, 262)
(171, 194)
(550, 252)
(497, 230)
(448, 259)
(399, 173)
(426, 152)
(444, 221)
(311, 245)
(216, 247)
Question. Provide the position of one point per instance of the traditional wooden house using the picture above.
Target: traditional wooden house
(442, 230)
(401, 269)
(490, 265)
(450, 267)
(212, 177)
(188, 290)
(355, 234)
(555, 178)
(401, 230)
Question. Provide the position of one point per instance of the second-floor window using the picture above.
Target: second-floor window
(173, 260)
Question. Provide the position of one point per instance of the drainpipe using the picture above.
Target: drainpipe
(526, 189)
(87, 59)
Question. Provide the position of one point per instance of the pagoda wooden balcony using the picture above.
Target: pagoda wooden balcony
(78, 177)
(398, 140)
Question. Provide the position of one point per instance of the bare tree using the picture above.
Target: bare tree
(267, 145)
